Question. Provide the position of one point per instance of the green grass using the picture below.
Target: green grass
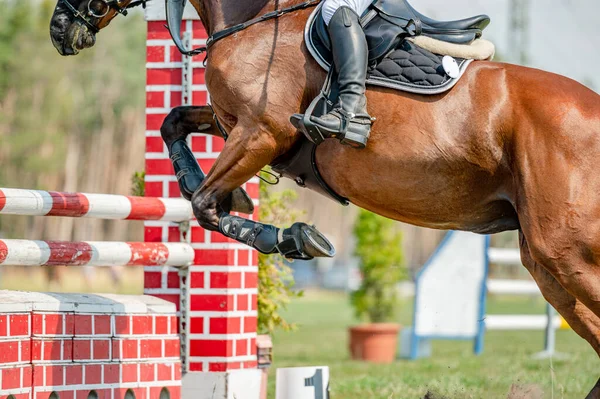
(452, 372)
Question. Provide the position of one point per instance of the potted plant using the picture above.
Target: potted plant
(275, 279)
(381, 262)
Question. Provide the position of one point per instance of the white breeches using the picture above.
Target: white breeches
(331, 6)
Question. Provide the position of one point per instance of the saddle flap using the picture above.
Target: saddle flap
(321, 30)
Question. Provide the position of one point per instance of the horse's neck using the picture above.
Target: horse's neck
(217, 15)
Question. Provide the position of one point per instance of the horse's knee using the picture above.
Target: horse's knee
(546, 249)
(573, 259)
(169, 129)
(555, 252)
(205, 210)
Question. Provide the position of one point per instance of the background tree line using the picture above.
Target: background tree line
(69, 123)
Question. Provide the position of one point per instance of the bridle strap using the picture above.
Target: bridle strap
(175, 13)
(78, 15)
(114, 4)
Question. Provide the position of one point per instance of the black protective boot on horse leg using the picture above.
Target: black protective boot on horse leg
(300, 241)
(190, 176)
(349, 121)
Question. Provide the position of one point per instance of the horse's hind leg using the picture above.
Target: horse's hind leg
(246, 152)
(581, 319)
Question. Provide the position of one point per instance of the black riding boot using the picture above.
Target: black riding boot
(349, 120)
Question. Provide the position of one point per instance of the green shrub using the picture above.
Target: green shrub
(138, 184)
(379, 249)
(275, 279)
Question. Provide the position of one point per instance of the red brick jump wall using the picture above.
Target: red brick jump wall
(222, 292)
(74, 346)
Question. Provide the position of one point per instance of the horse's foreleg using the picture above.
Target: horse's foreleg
(184, 120)
(581, 319)
(175, 129)
(246, 152)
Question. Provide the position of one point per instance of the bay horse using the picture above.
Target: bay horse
(508, 148)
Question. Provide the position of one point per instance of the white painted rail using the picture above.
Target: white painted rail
(102, 206)
(94, 253)
(512, 287)
(521, 322)
(504, 256)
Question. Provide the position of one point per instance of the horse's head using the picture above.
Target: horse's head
(74, 24)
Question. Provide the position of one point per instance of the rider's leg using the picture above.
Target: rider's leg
(349, 120)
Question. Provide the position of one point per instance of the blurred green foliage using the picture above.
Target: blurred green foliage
(379, 249)
(138, 184)
(67, 123)
(275, 279)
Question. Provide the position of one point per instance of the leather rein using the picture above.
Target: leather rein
(108, 4)
(175, 14)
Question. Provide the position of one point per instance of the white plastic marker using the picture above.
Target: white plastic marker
(451, 67)
(302, 383)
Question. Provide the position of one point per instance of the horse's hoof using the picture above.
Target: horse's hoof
(315, 244)
(304, 242)
(241, 202)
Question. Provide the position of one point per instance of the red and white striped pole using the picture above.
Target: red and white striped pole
(94, 253)
(15, 201)
(221, 295)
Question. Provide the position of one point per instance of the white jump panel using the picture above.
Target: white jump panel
(450, 291)
(451, 294)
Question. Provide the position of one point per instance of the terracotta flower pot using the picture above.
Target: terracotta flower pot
(374, 343)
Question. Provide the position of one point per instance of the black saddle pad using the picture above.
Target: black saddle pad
(408, 67)
(414, 69)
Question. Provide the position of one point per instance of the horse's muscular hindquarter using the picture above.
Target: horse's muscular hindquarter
(558, 201)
